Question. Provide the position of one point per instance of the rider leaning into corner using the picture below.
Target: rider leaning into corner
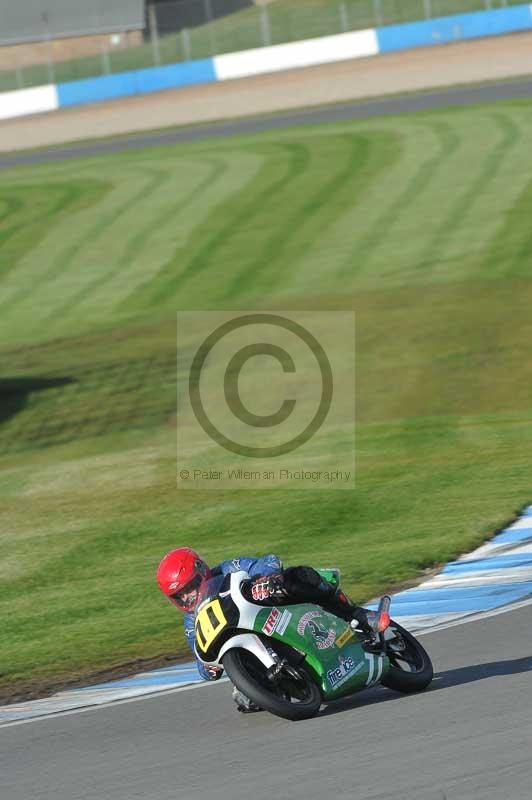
(183, 577)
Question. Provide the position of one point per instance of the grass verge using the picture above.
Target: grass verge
(421, 224)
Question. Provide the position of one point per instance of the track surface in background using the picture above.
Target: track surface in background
(468, 737)
(427, 101)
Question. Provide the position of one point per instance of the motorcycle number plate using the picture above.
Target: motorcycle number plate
(209, 622)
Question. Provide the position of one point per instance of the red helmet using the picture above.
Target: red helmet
(182, 576)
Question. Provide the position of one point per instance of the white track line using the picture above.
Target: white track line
(123, 701)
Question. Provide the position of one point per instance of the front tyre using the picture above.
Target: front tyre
(292, 695)
(410, 665)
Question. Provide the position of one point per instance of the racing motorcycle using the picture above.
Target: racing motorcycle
(289, 659)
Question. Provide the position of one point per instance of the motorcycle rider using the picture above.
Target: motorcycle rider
(183, 575)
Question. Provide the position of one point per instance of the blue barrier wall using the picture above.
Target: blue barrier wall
(140, 81)
(392, 37)
(451, 29)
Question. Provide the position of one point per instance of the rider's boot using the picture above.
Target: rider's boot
(243, 703)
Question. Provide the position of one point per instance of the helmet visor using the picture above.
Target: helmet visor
(188, 596)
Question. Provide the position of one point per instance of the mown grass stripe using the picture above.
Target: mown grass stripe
(490, 165)
(31, 209)
(119, 286)
(510, 252)
(39, 273)
(448, 142)
(74, 298)
(315, 210)
(241, 212)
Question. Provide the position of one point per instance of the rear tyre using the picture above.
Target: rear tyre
(292, 695)
(410, 667)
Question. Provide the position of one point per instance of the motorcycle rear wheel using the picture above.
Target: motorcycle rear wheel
(286, 697)
(410, 670)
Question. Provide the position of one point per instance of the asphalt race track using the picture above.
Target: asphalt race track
(399, 104)
(468, 736)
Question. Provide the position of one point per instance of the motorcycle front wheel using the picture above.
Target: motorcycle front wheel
(292, 695)
(410, 665)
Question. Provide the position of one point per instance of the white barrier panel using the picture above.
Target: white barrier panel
(296, 54)
(28, 101)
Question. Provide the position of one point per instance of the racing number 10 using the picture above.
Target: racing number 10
(209, 623)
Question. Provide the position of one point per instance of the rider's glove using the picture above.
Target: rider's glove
(213, 672)
(268, 586)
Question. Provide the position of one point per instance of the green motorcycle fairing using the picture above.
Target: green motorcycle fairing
(333, 652)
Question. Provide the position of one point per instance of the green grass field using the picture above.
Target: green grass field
(288, 21)
(421, 223)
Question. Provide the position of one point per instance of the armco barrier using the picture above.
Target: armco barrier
(356, 44)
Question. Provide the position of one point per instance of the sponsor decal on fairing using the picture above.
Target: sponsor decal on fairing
(324, 637)
(269, 626)
(344, 637)
(277, 622)
(282, 625)
(346, 669)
